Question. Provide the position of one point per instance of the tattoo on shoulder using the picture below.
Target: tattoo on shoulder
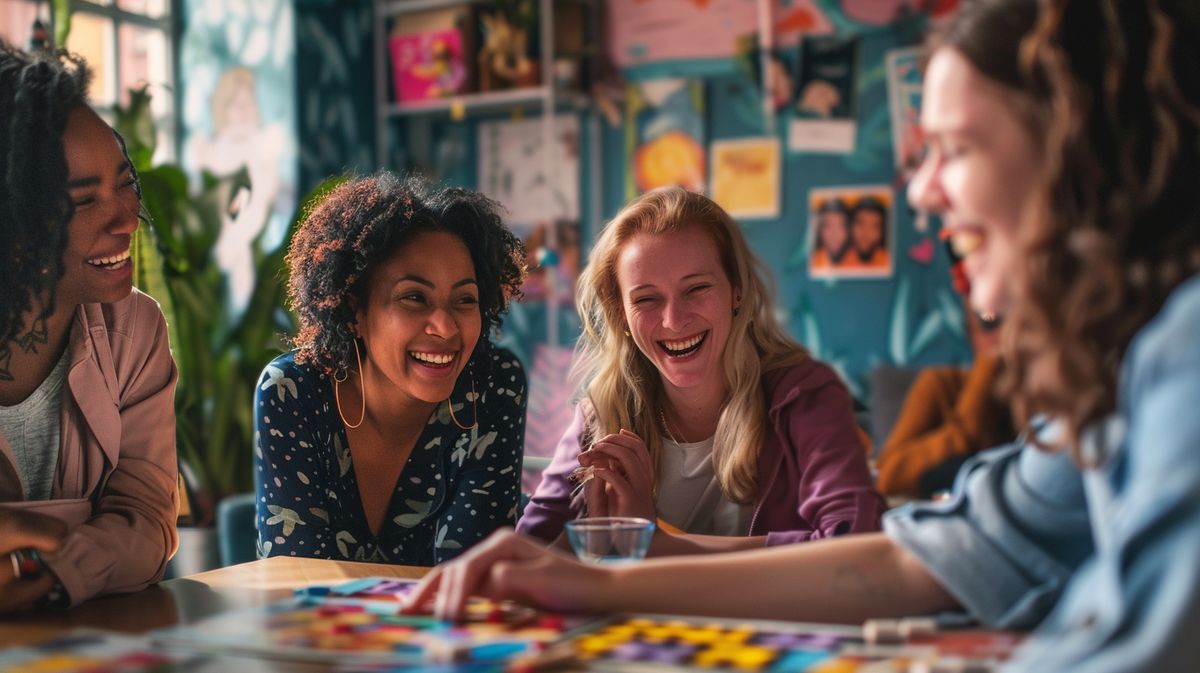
(36, 335)
(851, 580)
(5, 358)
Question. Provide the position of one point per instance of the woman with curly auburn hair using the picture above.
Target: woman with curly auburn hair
(699, 410)
(1063, 156)
(88, 469)
(394, 432)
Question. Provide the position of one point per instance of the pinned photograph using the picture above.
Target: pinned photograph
(825, 107)
(851, 232)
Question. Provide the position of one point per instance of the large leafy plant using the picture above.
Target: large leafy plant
(219, 354)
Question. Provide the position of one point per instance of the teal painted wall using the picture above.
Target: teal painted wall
(914, 317)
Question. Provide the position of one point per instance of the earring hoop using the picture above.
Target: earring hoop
(362, 389)
(474, 408)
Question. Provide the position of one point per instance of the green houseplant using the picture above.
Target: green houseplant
(219, 355)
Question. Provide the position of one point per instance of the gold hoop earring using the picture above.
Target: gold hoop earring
(474, 408)
(362, 389)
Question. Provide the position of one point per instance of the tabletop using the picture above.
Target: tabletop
(189, 599)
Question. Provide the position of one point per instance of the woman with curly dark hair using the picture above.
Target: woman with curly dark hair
(1063, 156)
(87, 418)
(394, 432)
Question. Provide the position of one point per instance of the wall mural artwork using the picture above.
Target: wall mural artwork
(238, 115)
(335, 98)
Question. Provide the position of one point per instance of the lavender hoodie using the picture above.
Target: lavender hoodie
(812, 469)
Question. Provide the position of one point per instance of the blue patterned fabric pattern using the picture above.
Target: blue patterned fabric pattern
(456, 488)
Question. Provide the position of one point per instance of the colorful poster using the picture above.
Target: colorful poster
(904, 103)
(646, 32)
(665, 134)
(826, 101)
(513, 170)
(745, 177)
(851, 232)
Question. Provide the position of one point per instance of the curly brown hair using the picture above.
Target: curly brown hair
(1114, 226)
(359, 224)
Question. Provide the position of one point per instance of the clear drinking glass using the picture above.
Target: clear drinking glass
(610, 539)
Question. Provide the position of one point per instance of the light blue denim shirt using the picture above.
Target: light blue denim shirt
(1106, 562)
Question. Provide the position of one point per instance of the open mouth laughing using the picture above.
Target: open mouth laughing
(677, 348)
(434, 360)
(112, 262)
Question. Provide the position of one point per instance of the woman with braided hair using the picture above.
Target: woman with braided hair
(87, 424)
(1063, 154)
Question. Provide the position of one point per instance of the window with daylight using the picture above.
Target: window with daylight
(127, 43)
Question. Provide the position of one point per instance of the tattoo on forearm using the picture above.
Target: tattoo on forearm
(851, 580)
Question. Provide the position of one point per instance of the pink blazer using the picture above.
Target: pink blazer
(115, 484)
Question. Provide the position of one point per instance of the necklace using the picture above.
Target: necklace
(662, 416)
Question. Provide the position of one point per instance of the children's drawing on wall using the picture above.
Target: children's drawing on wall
(850, 233)
(665, 135)
(824, 114)
(745, 177)
(240, 139)
(904, 102)
(513, 170)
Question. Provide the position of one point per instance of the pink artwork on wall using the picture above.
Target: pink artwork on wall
(428, 65)
(653, 31)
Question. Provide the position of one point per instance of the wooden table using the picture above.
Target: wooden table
(189, 599)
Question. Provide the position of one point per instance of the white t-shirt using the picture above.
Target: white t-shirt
(31, 428)
(689, 496)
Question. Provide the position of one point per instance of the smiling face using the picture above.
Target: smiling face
(678, 303)
(421, 319)
(832, 230)
(978, 173)
(867, 230)
(101, 186)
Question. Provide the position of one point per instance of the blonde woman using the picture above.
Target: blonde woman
(698, 409)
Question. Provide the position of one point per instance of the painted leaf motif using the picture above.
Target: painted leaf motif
(442, 543)
(288, 517)
(419, 513)
(343, 455)
(899, 332)
(929, 329)
(344, 538)
(283, 384)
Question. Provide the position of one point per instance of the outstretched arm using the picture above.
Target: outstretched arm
(844, 580)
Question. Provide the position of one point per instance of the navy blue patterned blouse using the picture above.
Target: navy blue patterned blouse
(457, 487)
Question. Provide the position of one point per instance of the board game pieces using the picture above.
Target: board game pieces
(361, 620)
(648, 643)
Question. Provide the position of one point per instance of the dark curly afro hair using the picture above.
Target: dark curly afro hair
(361, 223)
(37, 92)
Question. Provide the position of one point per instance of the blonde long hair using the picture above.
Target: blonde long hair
(625, 388)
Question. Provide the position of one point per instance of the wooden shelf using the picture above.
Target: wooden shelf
(475, 102)
(398, 7)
